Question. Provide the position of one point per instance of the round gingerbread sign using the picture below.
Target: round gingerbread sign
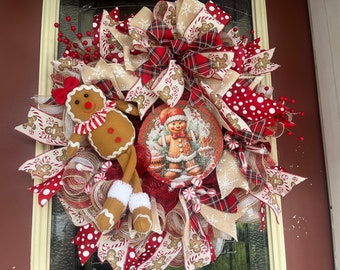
(185, 143)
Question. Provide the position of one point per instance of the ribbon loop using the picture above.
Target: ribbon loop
(198, 64)
(159, 31)
(159, 56)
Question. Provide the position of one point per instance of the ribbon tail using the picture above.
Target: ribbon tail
(229, 175)
(225, 222)
(269, 199)
(46, 165)
(186, 230)
(280, 182)
(43, 128)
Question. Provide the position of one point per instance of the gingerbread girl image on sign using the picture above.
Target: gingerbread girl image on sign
(179, 139)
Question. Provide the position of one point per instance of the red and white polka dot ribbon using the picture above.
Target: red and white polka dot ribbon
(47, 189)
(86, 240)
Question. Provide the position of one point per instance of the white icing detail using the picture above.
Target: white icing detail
(73, 144)
(143, 216)
(181, 157)
(129, 108)
(109, 215)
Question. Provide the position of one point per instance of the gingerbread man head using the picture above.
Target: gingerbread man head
(82, 102)
(174, 119)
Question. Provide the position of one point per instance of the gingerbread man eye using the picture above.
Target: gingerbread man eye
(76, 101)
(86, 95)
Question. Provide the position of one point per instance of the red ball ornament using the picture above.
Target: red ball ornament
(73, 28)
(74, 55)
(79, 35)
(302, 113)
(56, 25)
(289, 133)
(68, 18)
(88, 33)
(301, 138)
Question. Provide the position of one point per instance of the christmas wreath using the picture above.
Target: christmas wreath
(161, 132)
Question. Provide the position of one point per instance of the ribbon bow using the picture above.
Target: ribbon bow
(175, 57)
(178, 135)
(60, 94)
(186, 54)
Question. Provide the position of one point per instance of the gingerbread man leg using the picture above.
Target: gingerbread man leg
(140, 207)
(192, 167)
(114, 206)
(174, 170)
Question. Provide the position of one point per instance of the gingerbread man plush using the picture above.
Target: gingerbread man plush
(112, 136)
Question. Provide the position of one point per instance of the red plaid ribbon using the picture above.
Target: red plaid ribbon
(228, 204)
(197, 63)
(259, 131)
(250, 174)
(159, 56)
(186, 54)
(160, 32)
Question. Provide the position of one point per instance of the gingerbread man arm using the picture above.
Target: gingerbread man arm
(164, 139)
(73, 145)
(126, 107)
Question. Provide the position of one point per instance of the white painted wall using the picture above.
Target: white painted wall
(325, 24)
